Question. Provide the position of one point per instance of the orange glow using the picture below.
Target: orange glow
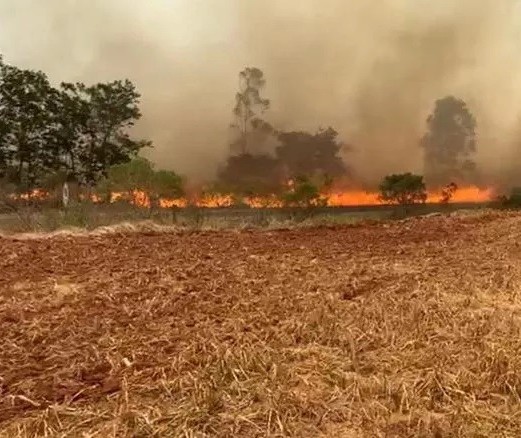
(466, 194)
(171, 203)
(36, 194)
(336, 198)
(359, 197)
(263, 201)
(217, 200)
(352, 198)
(95, 198)
(135, 197)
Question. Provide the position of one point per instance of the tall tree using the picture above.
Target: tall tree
(72, 117)
(248, 105)
(450, 142)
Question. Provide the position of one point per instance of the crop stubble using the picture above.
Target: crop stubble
(407, 328)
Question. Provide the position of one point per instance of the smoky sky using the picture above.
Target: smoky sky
(372, 69)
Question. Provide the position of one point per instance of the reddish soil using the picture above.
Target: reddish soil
(400, 329)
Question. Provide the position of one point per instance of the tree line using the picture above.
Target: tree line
(78, 132)
(449, 146)
(70, 131)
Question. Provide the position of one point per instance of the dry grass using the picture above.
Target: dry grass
(407, 329)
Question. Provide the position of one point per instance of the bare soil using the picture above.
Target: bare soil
(399, 329)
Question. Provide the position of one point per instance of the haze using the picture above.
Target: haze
(372, 69)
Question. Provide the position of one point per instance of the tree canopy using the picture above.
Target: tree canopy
(249, 174)
(450, 142)
(302, 153)
(73, 129)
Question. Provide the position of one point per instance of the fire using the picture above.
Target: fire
(466, 194)
(36, 194)
(263, 201)
(135, 197)
(349, 198)
(352, 198)
(218, 200)
(336, 198)
(171, 203)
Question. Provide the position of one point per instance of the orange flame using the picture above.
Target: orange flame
(359, 197)
(336, 198)
(36, 194)
(271, 201)
(171, 203)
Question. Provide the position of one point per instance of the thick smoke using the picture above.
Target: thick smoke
(371, 69)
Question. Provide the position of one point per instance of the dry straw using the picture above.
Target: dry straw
(405, 329)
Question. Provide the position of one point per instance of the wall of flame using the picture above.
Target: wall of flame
(344, 198)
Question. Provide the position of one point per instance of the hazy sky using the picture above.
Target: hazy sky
(370, 68)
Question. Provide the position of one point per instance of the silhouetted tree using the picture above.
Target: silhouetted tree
(249, 174)
(450, 142)
(302, 153)
(251, 168)
(248, 105)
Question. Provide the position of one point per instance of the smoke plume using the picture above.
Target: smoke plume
(370, 69)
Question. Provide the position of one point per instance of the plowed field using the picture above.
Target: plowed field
(399, 329)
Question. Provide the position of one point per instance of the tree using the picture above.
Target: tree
(71, 132)
(137, 174)
(72, 116)
(302, 153)
(26, 125)
(403, 189)
(248, 174)
(450, 142)
(98, 128)
(248, 104)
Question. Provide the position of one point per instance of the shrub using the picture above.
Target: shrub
(403, 189)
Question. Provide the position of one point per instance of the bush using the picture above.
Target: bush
(304, 194)
(139, 176)
(403, 189)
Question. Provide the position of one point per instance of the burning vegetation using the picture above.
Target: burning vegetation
(81, 135)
